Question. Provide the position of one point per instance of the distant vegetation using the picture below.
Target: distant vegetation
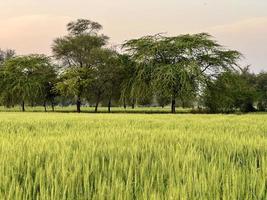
(190, 71)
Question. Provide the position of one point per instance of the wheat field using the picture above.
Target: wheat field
(132, 156)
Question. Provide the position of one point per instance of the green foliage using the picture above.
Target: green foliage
(75, 48)
(106, 76)
(172, 66)
(77, 52)
(229, 92)
(82, 26)
(261, 87)
(128, 82)
(24, 78)
(73, 82)
(169, 70)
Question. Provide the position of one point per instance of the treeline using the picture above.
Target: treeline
(185, 70)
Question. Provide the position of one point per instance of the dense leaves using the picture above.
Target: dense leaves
(230, 92)
(185, 70)
(25, 79)
(174, 66)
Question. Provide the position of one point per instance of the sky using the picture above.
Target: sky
(29, 26)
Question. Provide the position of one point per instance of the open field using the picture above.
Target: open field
(121, 156)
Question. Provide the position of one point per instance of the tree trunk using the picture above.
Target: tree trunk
(97, 102)
(45, 106)
(183, 103)
(23, 106)
(124, 103)
(133, 103)
(78, 104)
(173, 105)
(52, 105)
(109, 105)
(96, 106)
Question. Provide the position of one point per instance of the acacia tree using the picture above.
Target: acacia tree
(171, 66)
(73, 82)
(48, 78)
(113, 71)
(24, 78)
(106, 77)
(74, 50)
(230, 91)
(129, 73)
(5, 95)
(261, 87)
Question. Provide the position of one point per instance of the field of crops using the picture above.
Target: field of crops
(132, 156)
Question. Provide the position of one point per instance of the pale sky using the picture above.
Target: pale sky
(29, 26)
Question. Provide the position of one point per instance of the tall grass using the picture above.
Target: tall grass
(119, 156)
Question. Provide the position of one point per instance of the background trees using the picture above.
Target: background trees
(173, 66)
(229, 92)
(74, 50)
(129, 80)
(261, 88)
(106, 77)
(184, 70)
(25, 79)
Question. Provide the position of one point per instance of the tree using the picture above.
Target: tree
(48, 79)
(128, 82)
(114, 79)
(106, 76)
(82, 26)
(251, 90)
(73, 83)
(24, 78)
(261, 86)
(229, 92)
(172, 66)
(74, 50)
(162, 100)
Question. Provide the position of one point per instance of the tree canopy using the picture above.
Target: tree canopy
(75, 51)
(190, 70)
(24, 78)
(173, 66)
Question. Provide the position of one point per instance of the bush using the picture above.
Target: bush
(230, 92)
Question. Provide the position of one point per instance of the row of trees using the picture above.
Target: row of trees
(232, 91)
(189, 70)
